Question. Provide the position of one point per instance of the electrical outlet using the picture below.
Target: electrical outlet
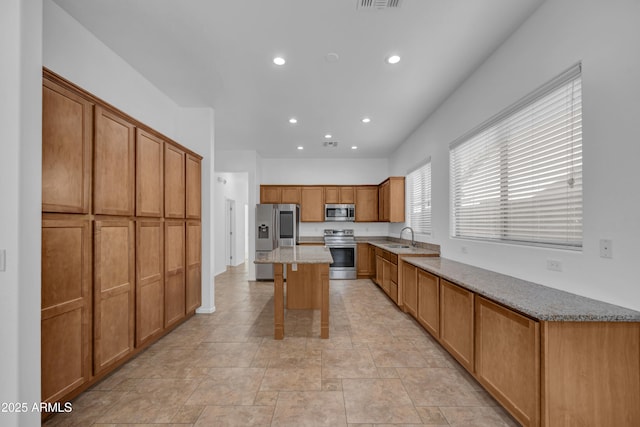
(3, 259)
(554, 265)
(294, 267)
(606, 248)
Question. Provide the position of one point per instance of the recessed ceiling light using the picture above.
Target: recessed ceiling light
(278, 60)
(393, 59)
(366, 120)
(300, 147)
(354, 147)
(293, 120)
(328, 136)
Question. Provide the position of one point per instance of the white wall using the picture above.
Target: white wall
(235, 186)
(20, 175)
(74, 53)
(604, 36)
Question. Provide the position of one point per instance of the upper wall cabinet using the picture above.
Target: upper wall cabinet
(290, 195)
(149, 175)
(391, 200)
(114, 164)
(174, 182)
(340, 194)
(67, 132)
(312, 204)
(193, 201)
(366, 203)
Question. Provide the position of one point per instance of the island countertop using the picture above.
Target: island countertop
(296, 255)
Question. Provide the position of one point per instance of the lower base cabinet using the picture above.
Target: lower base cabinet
(174, 286)
(149, 280)
(428, 310)
(194, 266)
(507, 356)
(410, 289)
(456, 322)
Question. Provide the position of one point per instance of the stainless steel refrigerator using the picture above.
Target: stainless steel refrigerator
(276, 226)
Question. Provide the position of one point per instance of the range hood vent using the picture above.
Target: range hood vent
(378, 4)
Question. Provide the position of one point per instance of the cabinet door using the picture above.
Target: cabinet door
(149, 175)
(394, 199)
(270, 194)
(429, 302)
(366, 203)
(174, 273)
(331, 195)
(149, 280)
(194, 266)
(410, 289)
(363, 267)
(193, 184)
(67, 134)
(386, 276)
(174, 182)
(66, 307)
(290, 195)
(508, 359)
(113, 165)
(113, 283)
(383, 201)
(347, 195)
(379, 263)
(312, 204)
(456, 322)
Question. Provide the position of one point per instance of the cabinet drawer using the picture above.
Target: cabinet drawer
(393, 258)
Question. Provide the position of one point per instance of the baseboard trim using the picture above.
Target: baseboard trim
(206, 310)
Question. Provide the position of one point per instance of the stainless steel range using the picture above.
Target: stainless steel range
(343, 247)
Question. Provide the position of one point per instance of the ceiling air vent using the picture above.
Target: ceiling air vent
(378, 4)
(330, 144)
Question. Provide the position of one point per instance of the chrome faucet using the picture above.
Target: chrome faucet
(413, 242)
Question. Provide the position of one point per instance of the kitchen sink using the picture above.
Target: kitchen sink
(399, 246)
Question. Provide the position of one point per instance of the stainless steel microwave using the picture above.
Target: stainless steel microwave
(339, 213)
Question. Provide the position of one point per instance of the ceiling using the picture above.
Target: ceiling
(219, 54)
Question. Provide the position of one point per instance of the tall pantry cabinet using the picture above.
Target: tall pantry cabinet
(121, 237)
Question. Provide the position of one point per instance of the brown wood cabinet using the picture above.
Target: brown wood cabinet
(312, 204)
(113, 295)
(457, 322)
(391, 200)
(113, 164)
(366, 203)
(149, 175)
(507, 357)
(270, 194)
(66, 306)
(366, 260)
(303, 287)
(193, 190)
(194, 266)
(290, 195)
(174, 181)
(410, 289)
(428, 314)
(67, 137)
(174, 273)
(149, 280)
(339, 194)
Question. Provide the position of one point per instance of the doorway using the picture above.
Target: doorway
(230, 231)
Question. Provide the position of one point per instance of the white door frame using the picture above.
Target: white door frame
(229, 230)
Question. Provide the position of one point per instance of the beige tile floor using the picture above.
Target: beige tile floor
(379, 367)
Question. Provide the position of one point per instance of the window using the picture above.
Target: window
(419, 199)
(518, 177)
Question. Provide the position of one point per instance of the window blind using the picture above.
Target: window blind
(419, 199)
(518, 177)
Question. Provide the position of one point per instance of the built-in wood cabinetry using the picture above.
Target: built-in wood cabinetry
(149, 174)
(67, 135)
(339, 195)
(507, 358)
(456, 322)
(312, 204)
(410, 289)
(366, 203)
(66, 306)
(366, 261)
(270, 194)
(387, 273)
(391, 200)
(113, 291)
(109, 182)
(149, 280)
(290, 195)
(113, 164)
(174, 182)
(428, 311)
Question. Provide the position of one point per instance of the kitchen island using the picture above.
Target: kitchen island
(292, 256)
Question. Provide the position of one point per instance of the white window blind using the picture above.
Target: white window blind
(419, 199)
(518, 177)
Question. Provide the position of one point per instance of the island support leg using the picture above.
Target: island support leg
(278, 302)
(324, 308)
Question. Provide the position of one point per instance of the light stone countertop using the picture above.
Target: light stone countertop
(401, 248)
(532, 299)
(295, 255)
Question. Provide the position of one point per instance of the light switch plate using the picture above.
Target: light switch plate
(606, 248)
(3, 260)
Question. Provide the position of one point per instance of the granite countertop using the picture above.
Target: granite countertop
(295, 255)
(534, 300)
(400, 248)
